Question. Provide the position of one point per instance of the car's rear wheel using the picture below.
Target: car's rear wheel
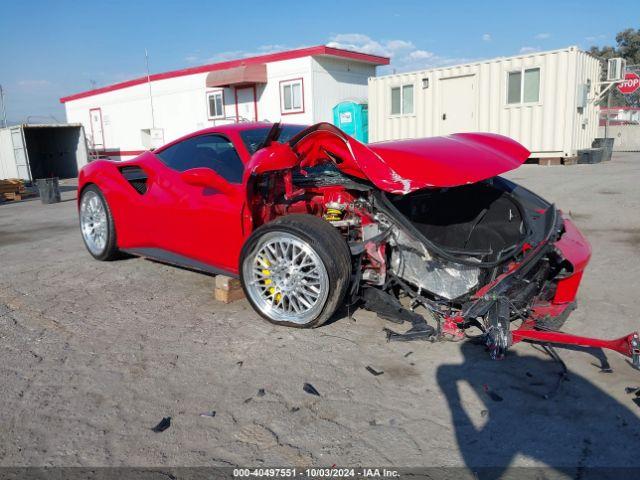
(295, 270)
(96, 224)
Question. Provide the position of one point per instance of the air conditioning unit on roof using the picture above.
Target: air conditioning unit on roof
(616, 69)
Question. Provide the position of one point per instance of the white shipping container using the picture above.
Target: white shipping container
(543, 100)
(30, 152)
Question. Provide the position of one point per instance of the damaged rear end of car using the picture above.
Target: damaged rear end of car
(436, 237)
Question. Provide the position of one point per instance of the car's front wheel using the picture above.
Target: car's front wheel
(295, 270)
(96, 224)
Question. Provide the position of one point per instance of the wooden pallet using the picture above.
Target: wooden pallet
(13, 189)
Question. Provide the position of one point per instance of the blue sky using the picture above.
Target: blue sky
(49, 49)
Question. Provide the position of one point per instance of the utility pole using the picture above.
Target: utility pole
(4, 111)
(606, 121)
(146, 57)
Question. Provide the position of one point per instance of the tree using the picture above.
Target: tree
(628, 47)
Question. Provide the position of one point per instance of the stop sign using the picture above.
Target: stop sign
(630, 83)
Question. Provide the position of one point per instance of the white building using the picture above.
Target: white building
(543, 100)
(297, 86)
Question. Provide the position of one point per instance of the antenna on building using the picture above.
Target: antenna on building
(4, 111)
(146, 58)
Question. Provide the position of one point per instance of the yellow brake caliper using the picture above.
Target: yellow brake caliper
(267, 281)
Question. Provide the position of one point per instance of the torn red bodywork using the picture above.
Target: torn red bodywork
(400, 166)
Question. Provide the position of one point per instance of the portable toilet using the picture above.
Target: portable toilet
(352, 118)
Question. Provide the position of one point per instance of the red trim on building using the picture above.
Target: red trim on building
(255, 101)
(321, 50)
(235, 96)
(291, 80)
(121, 153)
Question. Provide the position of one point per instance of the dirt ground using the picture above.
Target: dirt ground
(95, 354)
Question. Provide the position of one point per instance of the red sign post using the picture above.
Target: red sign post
(630, 83)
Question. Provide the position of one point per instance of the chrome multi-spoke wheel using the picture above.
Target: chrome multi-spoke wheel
(286, 279)
(94, 222)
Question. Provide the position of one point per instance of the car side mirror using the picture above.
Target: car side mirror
(205, 177)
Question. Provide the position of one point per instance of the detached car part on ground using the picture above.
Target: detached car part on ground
(310, 220)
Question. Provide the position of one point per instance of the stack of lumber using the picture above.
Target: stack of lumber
(13, 189)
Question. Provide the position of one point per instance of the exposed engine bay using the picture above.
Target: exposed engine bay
(487, 255)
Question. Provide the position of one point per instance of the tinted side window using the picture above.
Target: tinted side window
(210, 151)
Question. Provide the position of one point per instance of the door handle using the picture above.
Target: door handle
(444, 116)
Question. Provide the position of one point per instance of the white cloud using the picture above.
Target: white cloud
(33, 83)
(365, 44)
(404, 54)
(486, 37)
(594, 38)
(420, 55)
(542, 36)
(526, 50)
(200, 59)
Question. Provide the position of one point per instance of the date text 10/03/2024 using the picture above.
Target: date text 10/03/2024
(316, 472)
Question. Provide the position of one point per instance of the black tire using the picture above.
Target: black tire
(110, 250)
(328, 244)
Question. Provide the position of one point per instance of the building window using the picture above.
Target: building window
(402, 100)
(523, 86)
(291, 96)
(215, 104)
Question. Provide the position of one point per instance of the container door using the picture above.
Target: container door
(20, 154)
(457, 105)
(97, 131)
(246, 104)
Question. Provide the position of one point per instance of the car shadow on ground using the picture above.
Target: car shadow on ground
(499, 411)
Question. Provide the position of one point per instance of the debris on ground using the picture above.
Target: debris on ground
(407, 354)
(261, 392)
(210, 414)
(563, 375)
(163, 425)
(484, 413)
(492, 395)
(529, 374)
(373, 371)
(632, 390)
(239, 363)
(13, 189)
(248, 400)
(295, 409)
(310, 389)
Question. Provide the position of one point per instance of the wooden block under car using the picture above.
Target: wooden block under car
(227, 289)
(548, 162)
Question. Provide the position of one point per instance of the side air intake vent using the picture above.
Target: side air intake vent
(136, 177)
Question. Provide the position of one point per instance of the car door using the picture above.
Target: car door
(202, 224)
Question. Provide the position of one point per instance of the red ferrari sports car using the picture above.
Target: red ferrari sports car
(311, 219)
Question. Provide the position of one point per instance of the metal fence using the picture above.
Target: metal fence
(620, 119)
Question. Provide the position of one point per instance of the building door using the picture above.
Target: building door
(20, 153)
(97, 133)
(246, 104)
(458, 104)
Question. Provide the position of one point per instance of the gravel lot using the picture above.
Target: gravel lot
(95, 354)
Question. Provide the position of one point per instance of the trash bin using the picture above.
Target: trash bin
(607, 145)
(49, 190)
(590, 155)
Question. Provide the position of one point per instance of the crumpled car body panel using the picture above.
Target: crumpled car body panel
(398, 166)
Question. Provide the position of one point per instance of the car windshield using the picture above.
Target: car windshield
(254, 138)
